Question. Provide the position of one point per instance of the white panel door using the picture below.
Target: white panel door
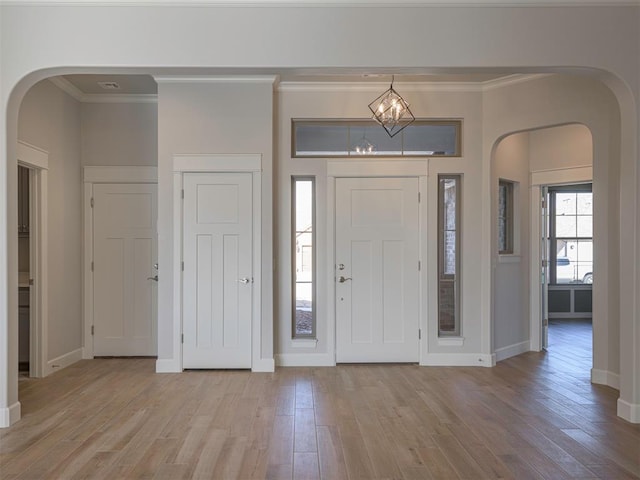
(377, 279)
(218, 269)
(125, 251)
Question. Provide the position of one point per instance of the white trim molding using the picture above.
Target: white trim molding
(558, 176)
(512, 350)
(238, 163)
(604, 377)
(450, 341)
(70, 89)
(120, 174)
(629, 411)
(305, 360)
(235, 79)
(10, 415)
(458, 360)
(63, 361)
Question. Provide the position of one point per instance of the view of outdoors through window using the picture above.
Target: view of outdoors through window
(303, 197)
(573, 225)
(448, 254)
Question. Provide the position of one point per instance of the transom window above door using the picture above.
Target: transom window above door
(365, 138)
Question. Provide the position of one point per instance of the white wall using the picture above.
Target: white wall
(567, 146)
(206, 118)
(511, 272)
(50, 119)
(518, 108)
(351, 102)
(119, 134)
(196, 41)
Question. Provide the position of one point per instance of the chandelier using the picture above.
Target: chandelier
(391, 111)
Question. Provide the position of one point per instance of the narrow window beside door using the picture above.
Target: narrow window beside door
(505, 217)
(303, 258)
(449, 255)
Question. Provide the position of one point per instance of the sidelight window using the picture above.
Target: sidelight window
(505, 217)
(449, 204)
(303, 261)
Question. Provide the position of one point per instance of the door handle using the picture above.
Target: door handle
(244, 280)
(343, 279)
(155, 279)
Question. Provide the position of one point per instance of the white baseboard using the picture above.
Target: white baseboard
(63, 361)
(512, 350)
(9, 415)
(458, 360)
(604, 377)
(305, 360)
(629, 411)
(87, 353)
(264, 365)
(168, 365)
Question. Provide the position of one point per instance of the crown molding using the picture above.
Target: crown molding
(271, 79)
(328, 3)
(69, 88)
(459, 87)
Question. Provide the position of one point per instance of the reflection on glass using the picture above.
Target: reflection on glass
(448, 281)
(303, 238)
(574, 232)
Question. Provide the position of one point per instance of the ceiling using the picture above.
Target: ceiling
(89, 84)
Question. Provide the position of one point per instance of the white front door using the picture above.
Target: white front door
(377, 278)
(125, 251)
(218, 270)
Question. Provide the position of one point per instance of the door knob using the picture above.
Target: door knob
(155, 279)
(244, 280)
(343, 279)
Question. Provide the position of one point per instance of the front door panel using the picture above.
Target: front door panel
(377, 279)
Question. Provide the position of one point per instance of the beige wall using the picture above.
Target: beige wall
(518, 108)
(50, 119)
(511, 272)
(212, 118)
(119, 134)
(560, 147)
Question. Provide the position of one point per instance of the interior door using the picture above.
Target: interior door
(377, 278)
(544, 275)
(125, 251)
(218, 269)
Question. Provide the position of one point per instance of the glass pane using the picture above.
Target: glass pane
(318, 139)
(303, 274)
(374, 135)
(565, 204)
(585, 203)
(585, 226)
(304, 309)
(585, 261)
(566, 226)
(430, 139)
(449, 187)
(502, 234)
(447, 306)
(449, 253)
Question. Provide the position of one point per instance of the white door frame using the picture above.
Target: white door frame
(91, 176)
(218, 163)
(538, 180)
(372, 168)
(37, 161)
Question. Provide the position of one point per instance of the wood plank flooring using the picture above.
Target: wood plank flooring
(535, 416)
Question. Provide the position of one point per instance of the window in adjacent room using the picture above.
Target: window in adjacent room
(303, 261)
(505, 217)
(449, 205)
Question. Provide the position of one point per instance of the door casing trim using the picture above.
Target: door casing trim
(377, 168)
(217, 163)
(93, 175)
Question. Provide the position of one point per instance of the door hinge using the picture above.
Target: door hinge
(182, 194)
(92, 202)
(182, 338)
(182, 266)
(419, 265)
(419, 197)
(92, 330)
(92, 266)
(544, 263)
(419, 334)
(544, 203)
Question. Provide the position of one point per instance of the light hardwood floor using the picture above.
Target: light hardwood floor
(532, 416)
